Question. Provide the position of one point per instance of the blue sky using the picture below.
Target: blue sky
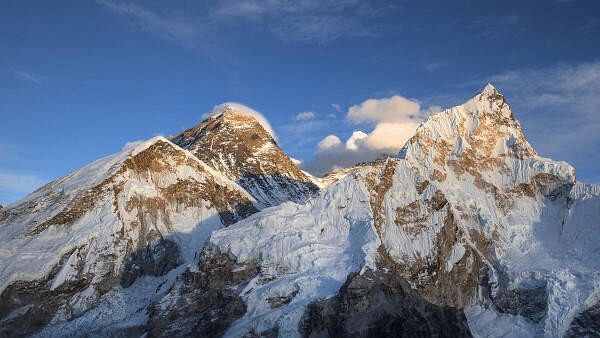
(79, 79)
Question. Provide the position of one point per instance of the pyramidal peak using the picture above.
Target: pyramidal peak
(237, 113)
(491, 101)
(468, 233)
(239, 142)
(489, 90)
(479, 138)
(486, 118)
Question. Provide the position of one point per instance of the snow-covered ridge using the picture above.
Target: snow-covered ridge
(468, 191)
(480, 137)
(307, 250)
(469, 216)
(27, 255)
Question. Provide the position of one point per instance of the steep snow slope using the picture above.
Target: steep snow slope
(524, 209)
(468, 214)
(467, 232)
(80, 242)
(238, 146)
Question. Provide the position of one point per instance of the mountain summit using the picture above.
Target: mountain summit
(239, 146)
(468, 232)
(468, 228)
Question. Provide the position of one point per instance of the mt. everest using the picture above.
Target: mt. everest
(216, 232)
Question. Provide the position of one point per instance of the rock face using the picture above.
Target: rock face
(27, 306)
(238, 146)
(467, 232)
(76, 242)
(155, 259)
(204, 302)
(381, 304)
(586, 323)
(468, 215)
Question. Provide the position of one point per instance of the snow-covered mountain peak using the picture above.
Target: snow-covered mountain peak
(489, 90)
(140, 212)
(480, 138)
(491, 101)
(469, 215)
(468, 232)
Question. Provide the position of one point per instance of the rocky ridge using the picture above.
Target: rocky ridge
(96, 231)
(468, 214)
(467, 232)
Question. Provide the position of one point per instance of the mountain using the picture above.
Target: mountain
(238, 145)
(467, 232)
(81, 244)
(76, 243)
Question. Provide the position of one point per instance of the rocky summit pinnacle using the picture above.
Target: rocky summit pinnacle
(490, 90)
(238, 145)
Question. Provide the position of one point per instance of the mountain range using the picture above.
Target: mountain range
(466, 232)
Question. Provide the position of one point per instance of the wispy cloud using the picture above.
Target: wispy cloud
(313, 21)
(183, 30)
(496, 26)
(433, 66)
(303, 134)
(24, 75)
(15, 183)
(305, 116)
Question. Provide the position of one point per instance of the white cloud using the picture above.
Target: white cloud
(296, 161)
(333, 154)
(337, 107)
(390, 137)
(395, 120)
(305, 116)
(356, 140)
(24, 75)
(329, 142)
(393, 109)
